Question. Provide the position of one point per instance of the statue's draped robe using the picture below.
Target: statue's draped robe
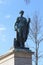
(21, 26)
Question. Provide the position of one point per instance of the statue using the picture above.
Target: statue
(22, 29)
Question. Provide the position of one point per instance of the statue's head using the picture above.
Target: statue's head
(21, 12)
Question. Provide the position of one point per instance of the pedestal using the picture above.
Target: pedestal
(17, 56)
(22, 56)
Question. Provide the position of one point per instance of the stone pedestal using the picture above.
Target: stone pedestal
(22, 56)
(17, 56)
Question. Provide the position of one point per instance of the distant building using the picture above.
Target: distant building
(16, 57)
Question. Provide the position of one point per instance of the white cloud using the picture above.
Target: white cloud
(2, 27)
(2, 33)
(3, 37)
(7, 16)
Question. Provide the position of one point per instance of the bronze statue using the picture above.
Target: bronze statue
(22, 29)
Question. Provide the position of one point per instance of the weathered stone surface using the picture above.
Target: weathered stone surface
(23, 57)
(17, 57)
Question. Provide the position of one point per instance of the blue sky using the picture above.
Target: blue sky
(9, 11)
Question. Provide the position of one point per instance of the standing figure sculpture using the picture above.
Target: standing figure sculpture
(22, 29)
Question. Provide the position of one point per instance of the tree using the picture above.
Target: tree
(36, 37)
(27, 1)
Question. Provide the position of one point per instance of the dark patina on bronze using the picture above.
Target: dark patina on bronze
(22, 29)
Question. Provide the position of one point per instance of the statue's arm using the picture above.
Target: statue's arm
(16, 24)
(17, 21)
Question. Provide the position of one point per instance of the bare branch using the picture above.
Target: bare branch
(41, 56)
(34, 32)
(40, 40)
(31, 38)
(27, 1)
